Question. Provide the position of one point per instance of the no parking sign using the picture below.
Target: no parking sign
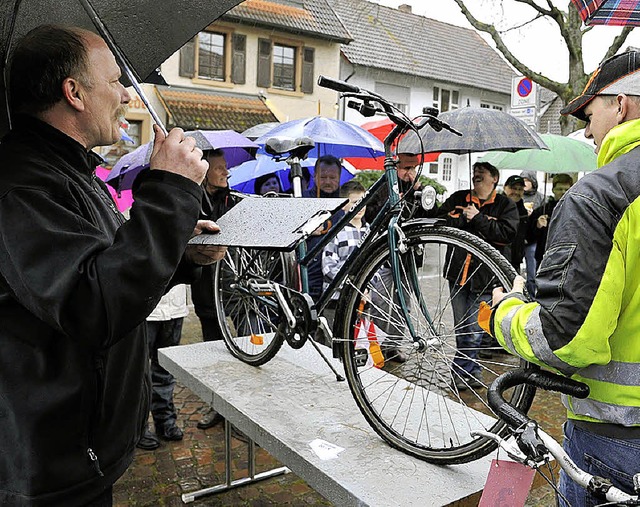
(523, 92)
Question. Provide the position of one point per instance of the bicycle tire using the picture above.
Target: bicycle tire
(249, 325)
(416, 406)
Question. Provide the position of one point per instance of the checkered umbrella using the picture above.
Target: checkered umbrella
(609, 12)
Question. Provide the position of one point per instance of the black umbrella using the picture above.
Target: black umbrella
(482, 130)
(141, 33)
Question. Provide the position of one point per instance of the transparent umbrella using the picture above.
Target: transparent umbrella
(332, 137)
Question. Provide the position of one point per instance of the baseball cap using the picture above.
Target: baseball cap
(618, 74)
(514, 180)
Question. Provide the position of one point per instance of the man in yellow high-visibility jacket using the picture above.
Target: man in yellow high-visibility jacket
(585, 320)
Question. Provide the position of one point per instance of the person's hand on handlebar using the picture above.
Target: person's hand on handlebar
(499, 294)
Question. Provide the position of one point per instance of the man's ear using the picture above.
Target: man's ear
(73, 94)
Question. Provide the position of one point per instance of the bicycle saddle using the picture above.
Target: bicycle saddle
(296, 147)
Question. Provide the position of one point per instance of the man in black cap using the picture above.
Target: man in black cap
(514, 190)
(585, 321)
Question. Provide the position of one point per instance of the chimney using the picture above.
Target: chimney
(405, 8)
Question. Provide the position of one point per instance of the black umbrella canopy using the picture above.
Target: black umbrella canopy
(482, 130)
(146, 31)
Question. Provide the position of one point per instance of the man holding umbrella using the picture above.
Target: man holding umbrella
(585, 320)
(76, 280)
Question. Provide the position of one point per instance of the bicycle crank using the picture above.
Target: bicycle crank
(306, 319)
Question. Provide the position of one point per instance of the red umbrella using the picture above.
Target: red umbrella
(609, 12)
(380, 129)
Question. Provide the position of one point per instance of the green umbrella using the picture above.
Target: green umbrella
(565, 155)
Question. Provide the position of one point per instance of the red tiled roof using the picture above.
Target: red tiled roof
(313, 17)
(196, 109)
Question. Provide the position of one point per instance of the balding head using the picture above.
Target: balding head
(41, 61)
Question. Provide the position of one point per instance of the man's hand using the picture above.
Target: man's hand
(499, 294)
(470, 212)
(178, 154)
(205, 254)
(543, 221)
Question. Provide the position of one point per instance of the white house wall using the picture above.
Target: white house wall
(421, 95)
(286, 105)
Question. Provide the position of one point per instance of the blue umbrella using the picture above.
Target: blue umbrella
(237, 149)
(332, 137)
(243, 176)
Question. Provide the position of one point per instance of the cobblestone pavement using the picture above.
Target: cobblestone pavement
(160, 477)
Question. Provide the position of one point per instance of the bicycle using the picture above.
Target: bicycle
(531, 446)
(394, 290)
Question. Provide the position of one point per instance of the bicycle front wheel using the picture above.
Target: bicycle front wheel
(249, 323)
(425, 398)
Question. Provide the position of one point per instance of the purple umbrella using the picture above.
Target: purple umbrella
(237, 149)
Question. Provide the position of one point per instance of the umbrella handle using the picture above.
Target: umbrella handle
(122, 60)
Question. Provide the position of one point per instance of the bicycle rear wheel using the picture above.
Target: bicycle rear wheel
(428, 405)
(250, 323)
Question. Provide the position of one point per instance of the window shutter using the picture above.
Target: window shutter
(308, 78)
(238, 58)
(264, 63)
(188, 59)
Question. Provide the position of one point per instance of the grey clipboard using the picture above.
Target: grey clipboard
(270, 223)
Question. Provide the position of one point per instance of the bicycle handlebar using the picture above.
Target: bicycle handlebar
(337, 85)
(534, 377)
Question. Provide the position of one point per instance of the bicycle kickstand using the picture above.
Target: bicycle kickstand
(322, 322)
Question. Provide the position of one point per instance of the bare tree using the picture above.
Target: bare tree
(571, 30)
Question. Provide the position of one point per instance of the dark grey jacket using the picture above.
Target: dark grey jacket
(76, 284)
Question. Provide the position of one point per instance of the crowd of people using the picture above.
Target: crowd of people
(84, 307)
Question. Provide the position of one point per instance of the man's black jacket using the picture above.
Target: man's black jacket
(76, 284)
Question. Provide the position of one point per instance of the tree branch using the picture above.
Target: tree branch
(537, 7)
(501, 46)
(618, 42)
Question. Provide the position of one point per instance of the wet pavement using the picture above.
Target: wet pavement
(160, 477)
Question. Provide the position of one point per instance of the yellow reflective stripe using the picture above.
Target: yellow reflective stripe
(606, 412)
(611, 393)
(509, 326)
(614, 372)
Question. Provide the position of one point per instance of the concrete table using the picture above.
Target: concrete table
(293, 405)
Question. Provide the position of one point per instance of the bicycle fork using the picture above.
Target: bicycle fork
(398, 247)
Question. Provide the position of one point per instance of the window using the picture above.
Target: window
(447, 164)
(433, 168)
(445, 100)
(211, 55)
(215, 56)
(485, 105)
(399, 96)
(284, 67)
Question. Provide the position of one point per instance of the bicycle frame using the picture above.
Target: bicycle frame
(390, 213)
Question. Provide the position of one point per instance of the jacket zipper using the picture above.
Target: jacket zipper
(106, 198)
(96, 411)
(94, 461)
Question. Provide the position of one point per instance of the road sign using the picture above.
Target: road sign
(523, 92)
(526, 114)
